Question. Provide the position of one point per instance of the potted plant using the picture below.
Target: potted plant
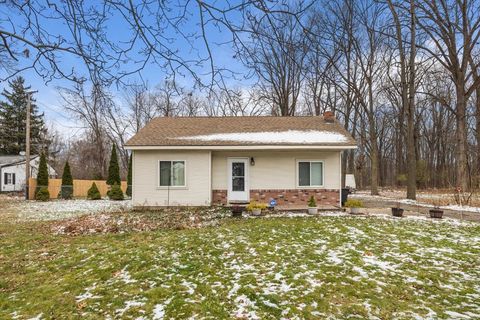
(354, 205)
(397, 211)
(256, 208)
(312, 205)
(237, 210)
(436, 213)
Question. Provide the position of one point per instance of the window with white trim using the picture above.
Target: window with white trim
(9, 178)
(172, 173)
(310, 173)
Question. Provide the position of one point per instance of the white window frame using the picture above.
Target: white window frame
(297, 178)
(184, 186)
(9, 178)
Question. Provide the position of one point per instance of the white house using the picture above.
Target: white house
(12, 172)
(200, 161)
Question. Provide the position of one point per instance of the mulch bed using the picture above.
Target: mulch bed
(187, 218)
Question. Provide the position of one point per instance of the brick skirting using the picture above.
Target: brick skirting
(285, 197)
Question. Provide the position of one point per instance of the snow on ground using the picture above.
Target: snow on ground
(63, 209)
(419, 202)
(292, 267)
(290, 136)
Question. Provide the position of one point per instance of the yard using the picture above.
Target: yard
(333, 266)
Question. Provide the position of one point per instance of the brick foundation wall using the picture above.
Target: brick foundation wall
(285, 197)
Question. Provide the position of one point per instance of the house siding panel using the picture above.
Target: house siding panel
(276, 169)
(146, 192)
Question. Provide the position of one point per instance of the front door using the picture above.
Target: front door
(238, 189)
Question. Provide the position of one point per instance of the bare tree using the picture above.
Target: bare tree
(153, 34)
(276, 53)
(407, 86)
(90, 110)
(454, 30)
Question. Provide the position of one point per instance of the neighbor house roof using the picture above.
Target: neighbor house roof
(12, 160)
(242, 131)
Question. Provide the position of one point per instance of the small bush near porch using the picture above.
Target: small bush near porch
(249, 268)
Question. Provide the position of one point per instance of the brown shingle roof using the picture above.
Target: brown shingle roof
(181, 131)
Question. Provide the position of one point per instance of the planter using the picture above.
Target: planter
(397, 212)
(312, 210)
(237, 211)
(436, 213)
(256, 212)
(354, 210)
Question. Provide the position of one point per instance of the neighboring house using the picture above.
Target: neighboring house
(198, 161)
(12, 172)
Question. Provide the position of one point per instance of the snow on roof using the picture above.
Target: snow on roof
(289, 136)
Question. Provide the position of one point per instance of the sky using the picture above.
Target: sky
(117, 31)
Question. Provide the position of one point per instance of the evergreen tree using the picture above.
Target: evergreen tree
(42, 176)
(93, 193)
(67, 182)
(13, 113)
(129, 177)
(113, 168)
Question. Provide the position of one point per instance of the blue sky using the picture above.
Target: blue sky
(118, 31)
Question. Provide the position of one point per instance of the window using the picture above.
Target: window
(9, 178)
(310, 173)
(172, 173)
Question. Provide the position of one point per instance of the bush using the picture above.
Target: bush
(42, 194)
(353, 203)
(93, 193)
(311, 202)
(115, 193)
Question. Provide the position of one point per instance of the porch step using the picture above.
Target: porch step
(238, 203)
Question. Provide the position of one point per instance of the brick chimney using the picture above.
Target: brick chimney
(329, 116)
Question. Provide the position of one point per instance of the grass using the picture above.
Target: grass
(342, 267)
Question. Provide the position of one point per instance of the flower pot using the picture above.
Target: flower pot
(312, 210)
(397, 212)
(436, 213)
(354, 210)
(257, 212)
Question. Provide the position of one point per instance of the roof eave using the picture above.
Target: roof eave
(242, 147)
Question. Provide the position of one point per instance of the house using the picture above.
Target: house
(12, 172)
(201, 161)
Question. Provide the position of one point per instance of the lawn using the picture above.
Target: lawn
(271, 268)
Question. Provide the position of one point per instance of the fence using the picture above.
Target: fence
(80, 187)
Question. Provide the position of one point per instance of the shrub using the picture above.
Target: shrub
(129, 178)
(42, 194)
(93, 193)
(311, 202)
(353, 203)
(113, 168)
(255, 205)
(67, 183)
(115, 193)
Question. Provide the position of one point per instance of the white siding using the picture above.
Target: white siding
(146, 191)
(19, 171)
(276, 169)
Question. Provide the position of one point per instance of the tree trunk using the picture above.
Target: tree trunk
(411, 154)
(461, 139)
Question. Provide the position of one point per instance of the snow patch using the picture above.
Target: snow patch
(289, 136)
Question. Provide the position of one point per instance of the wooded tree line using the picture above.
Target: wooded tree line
(402, 76)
